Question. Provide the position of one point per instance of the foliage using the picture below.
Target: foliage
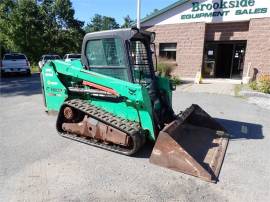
(175, 80)
(127, 22)
(22, 28)
(6, 7)
(262, 84)
(35, 69)
(253, 85)
(153, 12)
(165, 67)
(99, 22)
(39, 27)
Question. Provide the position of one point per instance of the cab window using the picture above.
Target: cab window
(107, 56)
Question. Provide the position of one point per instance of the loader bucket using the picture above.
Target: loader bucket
(194, 144)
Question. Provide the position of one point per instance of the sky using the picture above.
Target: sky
(86, 9)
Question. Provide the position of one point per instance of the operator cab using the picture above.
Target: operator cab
(141, 59)
(124, 54)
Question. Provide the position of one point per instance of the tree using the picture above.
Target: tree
(154, 11)
(127, 22)
(109, 23)
(21, 27)
(95, 24)
(61, 29)
(37, 27)
(99, 22)
(6, 7)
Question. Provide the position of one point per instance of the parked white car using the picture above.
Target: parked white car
(15, 63)
(72, 56)
(45, 58)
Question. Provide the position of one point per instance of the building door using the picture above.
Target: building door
(224, 59)
(238, 60)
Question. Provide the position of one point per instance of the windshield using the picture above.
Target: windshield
(107, 56)
(140, 61)
(75, 56)
(14, 57)
(52, 57)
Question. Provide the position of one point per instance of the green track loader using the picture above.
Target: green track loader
(113, 99)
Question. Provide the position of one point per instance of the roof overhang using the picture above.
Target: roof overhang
(164, 10)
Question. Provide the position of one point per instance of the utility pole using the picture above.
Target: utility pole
(138, 14)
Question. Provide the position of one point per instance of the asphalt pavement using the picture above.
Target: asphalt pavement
(36, 164)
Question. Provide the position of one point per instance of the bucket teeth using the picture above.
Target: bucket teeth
(194, 144)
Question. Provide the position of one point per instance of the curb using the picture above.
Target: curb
(254, 94)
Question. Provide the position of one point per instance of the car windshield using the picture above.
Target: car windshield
(14, 57)
(75, 56)
(52, 57)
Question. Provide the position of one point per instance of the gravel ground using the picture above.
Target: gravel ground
(38, 165)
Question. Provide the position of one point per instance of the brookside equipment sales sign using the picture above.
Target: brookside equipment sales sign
(224, 10)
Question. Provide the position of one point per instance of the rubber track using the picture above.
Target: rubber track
(131, 128)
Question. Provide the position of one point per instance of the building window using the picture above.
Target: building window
(168, 50)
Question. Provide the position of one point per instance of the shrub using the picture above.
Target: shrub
(263, 83)
(175, 80)
(165, 67)
(253, 85)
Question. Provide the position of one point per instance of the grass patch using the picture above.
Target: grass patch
(262, 84)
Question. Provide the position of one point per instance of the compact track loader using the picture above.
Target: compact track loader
(113, 99)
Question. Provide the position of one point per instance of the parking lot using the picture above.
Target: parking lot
(36, 164)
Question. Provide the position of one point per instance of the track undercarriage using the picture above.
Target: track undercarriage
(83, 122)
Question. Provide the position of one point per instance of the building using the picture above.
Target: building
(219, 38)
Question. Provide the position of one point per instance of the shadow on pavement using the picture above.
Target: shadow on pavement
(20, 85)
(242, 130)
(145, 151)
(236, 129)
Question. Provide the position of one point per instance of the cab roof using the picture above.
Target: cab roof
(124, 34)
